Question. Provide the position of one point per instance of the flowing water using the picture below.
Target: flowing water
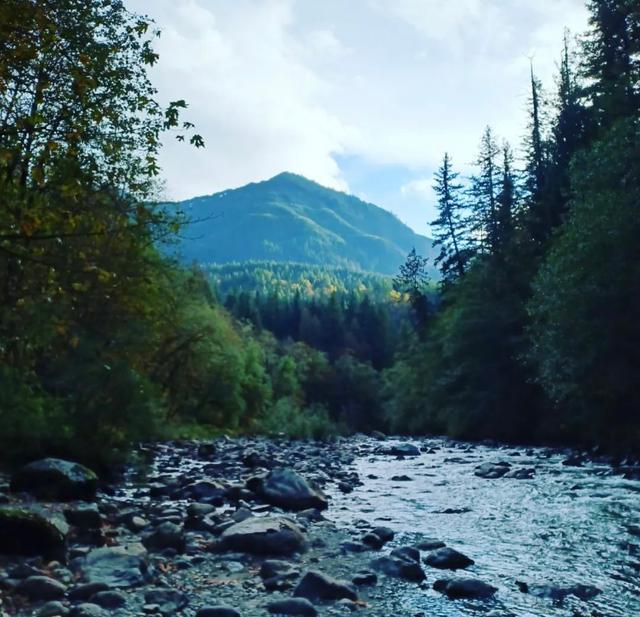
(566, 525)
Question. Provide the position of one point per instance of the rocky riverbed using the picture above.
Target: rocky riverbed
(378, 527)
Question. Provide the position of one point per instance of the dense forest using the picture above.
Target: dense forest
(532, 335)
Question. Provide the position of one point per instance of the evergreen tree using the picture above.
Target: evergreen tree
(412, 280)
(612, 60)
(506, 201)
(450, 227)
(484, 190)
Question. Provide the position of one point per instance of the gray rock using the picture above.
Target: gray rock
(52, 609)
(25, 531)
(399, 568)
(86, 591)
(448, 559)
(429, 544)
(117, 567)
(166, 535)
(559, 592)
(218, 611)
(41, 588)
(88, 610)
(402, 449)
(110, 599)
(84, 516)
(287, 489)
(55, 479)
(492, 470)
(264, 536)
(169, 601)
(293, 606)
(365, 577)
(522, 473)
(464, 588)
(316, 585)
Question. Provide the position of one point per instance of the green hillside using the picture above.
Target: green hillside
(291, 219)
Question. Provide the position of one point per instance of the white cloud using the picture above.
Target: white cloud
(279, 85)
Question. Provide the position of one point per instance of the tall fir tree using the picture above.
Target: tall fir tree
(449, 229)
(484, 191)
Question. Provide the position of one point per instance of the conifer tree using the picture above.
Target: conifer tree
(450, 227)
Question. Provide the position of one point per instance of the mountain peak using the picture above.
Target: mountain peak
(290, 218)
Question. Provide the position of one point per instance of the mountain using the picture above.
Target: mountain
(291, 219)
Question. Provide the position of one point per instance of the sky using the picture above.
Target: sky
(364, 96)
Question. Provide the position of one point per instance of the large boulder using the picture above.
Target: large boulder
(116, 566)
(54, 479)
(470, 588)
(318, 586)
(271, 535)
(29, 532)
(399, 566)
(287, 489)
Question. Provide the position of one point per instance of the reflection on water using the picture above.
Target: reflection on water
(567, 525)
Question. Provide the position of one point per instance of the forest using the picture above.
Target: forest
(531, 334)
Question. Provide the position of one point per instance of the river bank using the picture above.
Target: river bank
(395, 528)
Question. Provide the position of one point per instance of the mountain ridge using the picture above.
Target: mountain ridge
(291, 218)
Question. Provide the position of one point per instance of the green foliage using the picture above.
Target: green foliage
(586, 300)
(288, 418)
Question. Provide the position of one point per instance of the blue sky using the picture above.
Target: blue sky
(360, 95)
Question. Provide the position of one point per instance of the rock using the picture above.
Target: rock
(575, 460)
(365, 578)
(448, 559)
(218, 611)
(88, 610)
(399, 567)
(378, 435)
(558, 592)
(373, 541)
(41, 588)
(402, 449)
(255, 459)
(384, 533)
(264, 536)
(117, 567)
(492, 470)
(29, 532)
(464, 588)
(408, 553)
(402, 478)
(278, 575)
(205, 491)
(523, 473)
(86, 591)
(84, 517)
(287, 489)
(318, 586)
(293, 606)
(54, 479)
(198, 510)
(166, 535)
(169, 601)
(355, 547)
(429, 544)
(110, 599)
(52, 609)
(206, 450)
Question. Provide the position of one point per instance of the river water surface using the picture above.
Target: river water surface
(567, 525)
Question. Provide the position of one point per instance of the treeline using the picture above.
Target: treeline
(287, 279)
(538, 336)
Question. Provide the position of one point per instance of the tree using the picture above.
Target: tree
(412, 280)
(612, 60)
(450, 227)
(484, 193)
(506, 202)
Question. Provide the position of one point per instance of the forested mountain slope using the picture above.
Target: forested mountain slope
(291, 219)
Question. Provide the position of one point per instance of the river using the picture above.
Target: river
(566, 525)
